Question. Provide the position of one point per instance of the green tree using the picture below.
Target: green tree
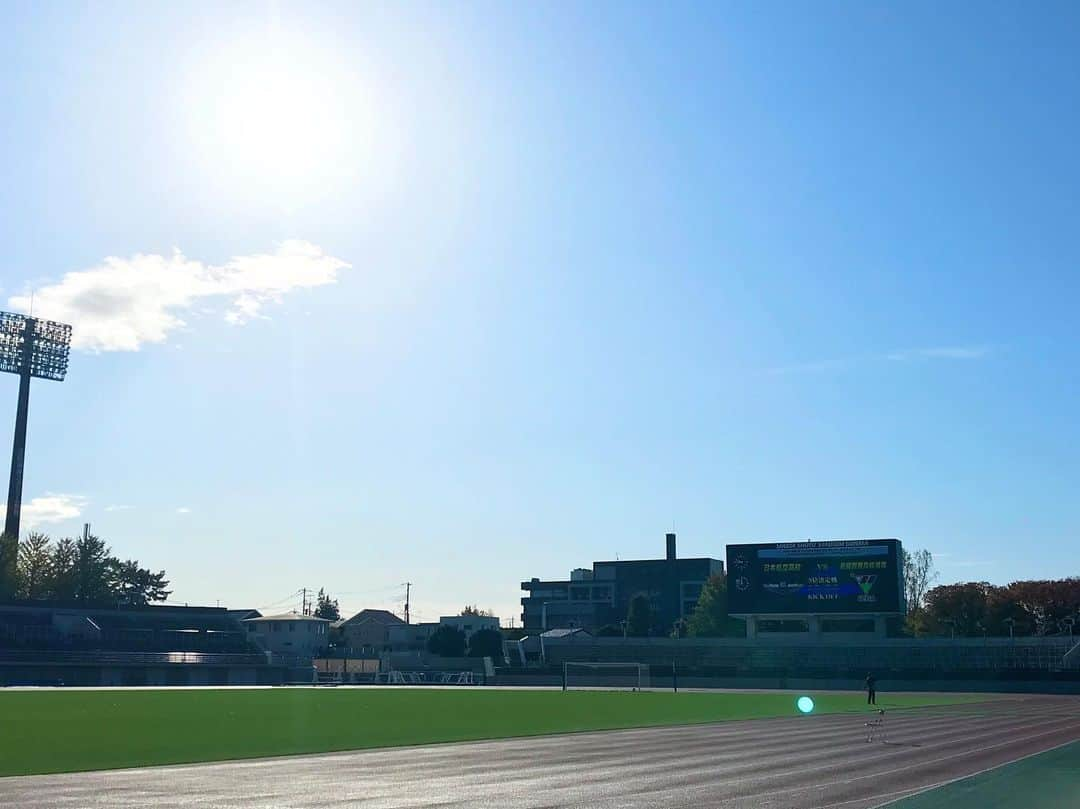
(63, 577)
(93, 570)
(473, 610)
(639, 616)
(447, 641)
(9, 569)
(710, 617)
(34, 566)
(486, 643)
(136, 586)
(326, 607)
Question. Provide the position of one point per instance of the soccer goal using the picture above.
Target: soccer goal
(632, 676)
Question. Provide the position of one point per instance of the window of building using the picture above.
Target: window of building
(579, 593)
(601, 593)
(292, 627)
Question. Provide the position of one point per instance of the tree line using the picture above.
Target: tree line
(76, 569)
(977, 608)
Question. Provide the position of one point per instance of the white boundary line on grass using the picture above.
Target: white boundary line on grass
(921, 790)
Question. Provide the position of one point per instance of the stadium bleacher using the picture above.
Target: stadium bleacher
(61, 643)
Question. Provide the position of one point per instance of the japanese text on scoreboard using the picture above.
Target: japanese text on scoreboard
(791, 578)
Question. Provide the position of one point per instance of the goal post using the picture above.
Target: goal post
(581, 674)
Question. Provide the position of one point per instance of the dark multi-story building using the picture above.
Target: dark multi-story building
(598, 597)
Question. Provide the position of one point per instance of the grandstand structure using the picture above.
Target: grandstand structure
(50, 643)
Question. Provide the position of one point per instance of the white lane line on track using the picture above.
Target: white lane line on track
(934, 743)
(920, 790)
(961, 754)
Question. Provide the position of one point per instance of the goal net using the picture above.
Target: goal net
(395, 677)
(633, 676)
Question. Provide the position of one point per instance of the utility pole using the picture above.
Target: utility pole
(408, 590)
(303, 601)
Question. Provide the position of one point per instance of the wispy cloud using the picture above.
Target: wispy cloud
(813, 367)
(51, 508)
(183, 510)
(119, 508)
(939, 353)
(126, 302)
(898, 355)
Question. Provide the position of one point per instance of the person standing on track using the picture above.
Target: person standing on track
(871, 689)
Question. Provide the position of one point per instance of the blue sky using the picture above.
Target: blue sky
(464, 294)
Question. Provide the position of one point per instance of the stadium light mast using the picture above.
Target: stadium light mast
(29, 347)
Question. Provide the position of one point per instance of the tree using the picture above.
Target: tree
(639, 616)
(33, 566)
(447, 641)
(919, 574)
(609, 631)
(63, 583)
(136, 586)
(9, 571)
(1046, 603)
(326, 607)
(710, 617)
(960, 607)
(474, 611)
(486, 643)
(93, 566)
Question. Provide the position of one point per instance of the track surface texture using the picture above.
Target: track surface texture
(796, 763)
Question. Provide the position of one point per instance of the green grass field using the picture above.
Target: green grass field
(63, 731)
(1048, 781)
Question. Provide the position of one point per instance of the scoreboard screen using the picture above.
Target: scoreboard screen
(792, 578)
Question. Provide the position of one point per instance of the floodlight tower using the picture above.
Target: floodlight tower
(28, 347)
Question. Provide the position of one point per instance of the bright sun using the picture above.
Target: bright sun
(276, 115)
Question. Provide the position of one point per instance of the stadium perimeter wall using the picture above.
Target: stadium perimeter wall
(885, 684)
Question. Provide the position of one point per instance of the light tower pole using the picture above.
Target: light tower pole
(29, 347)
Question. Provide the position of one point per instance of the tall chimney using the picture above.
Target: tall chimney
(671, 547)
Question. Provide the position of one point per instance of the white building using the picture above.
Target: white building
(289, 634)
(470, 623)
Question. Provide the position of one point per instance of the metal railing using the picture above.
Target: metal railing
(108, 658)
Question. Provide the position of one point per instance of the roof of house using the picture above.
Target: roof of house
(287, 616)
(383, 616)
(562, 633)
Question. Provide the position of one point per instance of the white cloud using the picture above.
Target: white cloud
(183, 510)
(900, 355)
(51, 508)
(940, 353)
(813, 367)
(126, 302)
(119, 508)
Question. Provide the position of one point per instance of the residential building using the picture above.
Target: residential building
(600, 596)
(289, 634)
(367, 632)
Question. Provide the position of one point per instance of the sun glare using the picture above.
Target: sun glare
(276, 115)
